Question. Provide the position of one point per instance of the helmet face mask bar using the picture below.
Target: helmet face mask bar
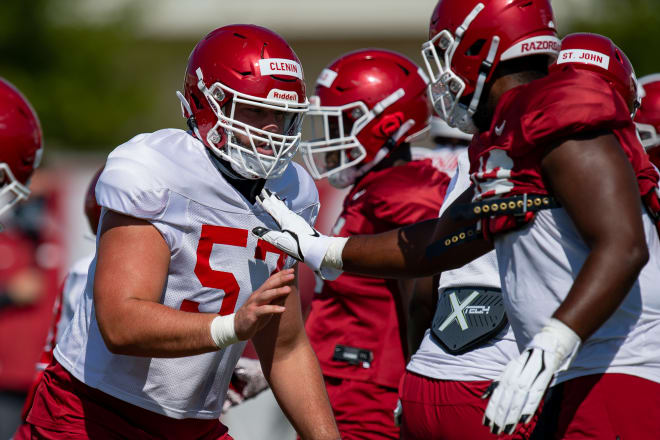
(446, 88)
(648, 136)
(334, 123)
(12, 191)
(246, 159)
(349, 149)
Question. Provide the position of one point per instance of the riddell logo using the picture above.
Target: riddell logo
(535, 46)
(283, 95)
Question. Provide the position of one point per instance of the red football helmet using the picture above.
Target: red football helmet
(245, 64)
(467, 41)
(368, 102)
(647, 118)
(599, 54)
(92, 209)
(20, 145)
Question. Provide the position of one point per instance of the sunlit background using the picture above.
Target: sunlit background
(99, 72)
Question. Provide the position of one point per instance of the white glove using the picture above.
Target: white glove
(299, 240)
(517, 393)
(248, 372)
(247, 381)
(398, 413)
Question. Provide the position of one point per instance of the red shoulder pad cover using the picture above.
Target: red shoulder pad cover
(572, 101)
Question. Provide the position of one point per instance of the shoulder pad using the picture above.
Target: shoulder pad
(568, 102)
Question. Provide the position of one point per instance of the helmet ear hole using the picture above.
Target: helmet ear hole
(618, 56)
(476, 47)
(196, 102)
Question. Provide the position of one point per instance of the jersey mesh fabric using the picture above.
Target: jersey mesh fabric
(538, 265)
(167, 178)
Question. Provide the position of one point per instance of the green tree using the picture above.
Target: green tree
(634, 25)
(72, 73)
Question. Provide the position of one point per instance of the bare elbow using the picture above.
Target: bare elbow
(114, 341)
(640, 255)
(635, 256)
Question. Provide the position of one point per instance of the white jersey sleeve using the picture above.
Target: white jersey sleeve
(168, 179)
(74, 287)
(487, 361)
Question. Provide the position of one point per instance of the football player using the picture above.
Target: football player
(20, 145)
(467, 346)
(178, 284)
(647, 118)
(577, 287)
(368, 105)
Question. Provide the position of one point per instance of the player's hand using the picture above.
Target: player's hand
(517, 393)
(295, 237)
(263, 304)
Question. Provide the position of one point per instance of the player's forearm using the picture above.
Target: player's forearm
(602, 284)
(297, 383)
(402, 253)
(145, 328)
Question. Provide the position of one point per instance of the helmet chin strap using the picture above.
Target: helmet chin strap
(484, 71)
(190, 119)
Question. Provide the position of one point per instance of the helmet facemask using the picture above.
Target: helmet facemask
(648, 136)
(334, 122)
(12, 191)
(446, 87)
(331, 152)
(239, 143)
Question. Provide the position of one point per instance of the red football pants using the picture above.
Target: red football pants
(65, 408)
(609, 406)
(447, 410)
(363, 411)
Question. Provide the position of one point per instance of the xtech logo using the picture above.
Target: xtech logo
(458, 311)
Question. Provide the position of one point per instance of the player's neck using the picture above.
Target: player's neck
(505, 83)
(248, 188)
(496, 89)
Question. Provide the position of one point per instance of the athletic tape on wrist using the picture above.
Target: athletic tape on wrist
(223, 332)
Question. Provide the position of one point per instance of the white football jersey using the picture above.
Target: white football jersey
(538, 265)
(444, 158)
(487, 361)
(74, 286)
(167, 178)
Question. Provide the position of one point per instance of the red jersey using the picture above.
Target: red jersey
(505, 161)
(358, 311)
(23, 329)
